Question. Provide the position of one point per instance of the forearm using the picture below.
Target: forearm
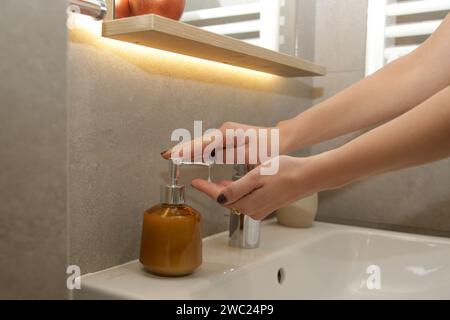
(419, 136)
(392, 91)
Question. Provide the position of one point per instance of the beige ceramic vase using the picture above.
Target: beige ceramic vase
(300, 214)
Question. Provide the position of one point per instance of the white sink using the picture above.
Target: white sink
(327, 261)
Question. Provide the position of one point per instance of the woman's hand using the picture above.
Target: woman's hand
(218, 149)
(259, 195)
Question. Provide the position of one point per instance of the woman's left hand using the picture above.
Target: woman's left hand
(258, 195)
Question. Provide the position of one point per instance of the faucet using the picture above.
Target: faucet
(244, 232)
(97, 9)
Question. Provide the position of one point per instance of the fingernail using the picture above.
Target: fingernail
(164, 152)
(221, 199)
(213, 153)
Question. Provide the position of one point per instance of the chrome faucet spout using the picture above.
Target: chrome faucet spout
(244, 232)
(97, 9)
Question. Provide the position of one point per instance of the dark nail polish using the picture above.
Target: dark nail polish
(162, 153)
(213, 153)
(221, 199)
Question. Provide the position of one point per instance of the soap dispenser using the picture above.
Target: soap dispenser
(171, 243)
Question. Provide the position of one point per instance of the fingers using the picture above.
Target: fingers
(252, 204)
(209, 188)
(205, 147)
(240, 154)
(166, 154)
(227, 192)
(239, 188)
(199, 149)
(225, 183)
(232, 141)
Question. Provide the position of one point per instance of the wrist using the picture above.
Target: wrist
(285, 137)
(328, 171)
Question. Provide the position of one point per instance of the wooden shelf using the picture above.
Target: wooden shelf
(170, 35)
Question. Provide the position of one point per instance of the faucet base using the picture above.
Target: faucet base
(244, 231)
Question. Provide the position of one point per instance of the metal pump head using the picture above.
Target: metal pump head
(173, 192)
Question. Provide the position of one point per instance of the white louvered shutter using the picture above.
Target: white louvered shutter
(397, 27)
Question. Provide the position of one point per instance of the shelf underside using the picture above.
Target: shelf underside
(170, 35)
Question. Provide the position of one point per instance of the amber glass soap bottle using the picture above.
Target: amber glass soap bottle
(171, 243)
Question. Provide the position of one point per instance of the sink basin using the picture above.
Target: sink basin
(327, 261)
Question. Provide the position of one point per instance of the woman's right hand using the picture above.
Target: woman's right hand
(218, 149)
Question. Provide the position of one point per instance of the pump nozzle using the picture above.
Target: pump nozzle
(174, 171)
(173, 192)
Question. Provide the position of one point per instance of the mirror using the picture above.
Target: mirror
(266, 23)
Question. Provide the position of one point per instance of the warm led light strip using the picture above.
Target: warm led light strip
(93, 28)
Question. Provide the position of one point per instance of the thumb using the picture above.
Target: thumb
(211, 189)
(239, 188)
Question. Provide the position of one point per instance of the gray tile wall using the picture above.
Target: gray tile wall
(124, 102)
(412, 200)
(33, 217)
